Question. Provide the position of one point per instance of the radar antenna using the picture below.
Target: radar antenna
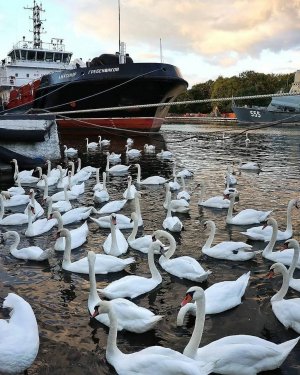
(37, 24)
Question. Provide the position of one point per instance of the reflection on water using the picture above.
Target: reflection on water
(70, 342)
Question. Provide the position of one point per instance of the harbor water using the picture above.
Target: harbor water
(71, 342)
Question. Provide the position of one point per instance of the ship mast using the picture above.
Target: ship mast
(37, 24)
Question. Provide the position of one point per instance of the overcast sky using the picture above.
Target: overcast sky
(204, 38)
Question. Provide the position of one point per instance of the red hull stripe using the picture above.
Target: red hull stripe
(133, 123)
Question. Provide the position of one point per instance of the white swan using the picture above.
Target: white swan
(153, 180)
(148, 361)
(149, 148)
(218, 201)
(40, 226)
(76, 214)
(103, 264)
(98, 186)
(264, 233)
(132, 153)
(293, 283)
(54, 172)
(50, 181)
(183, 193)
(172, 223)
(87, 168)
(133, 286)
(61, 206)
(247, 139)
(63, 179)
(177, 205)
(26, 253)
(78, 235)
(228, 250)
(24, 176)
(129, 193)
(219, 297)
(115, 244)
(131, 317)
(142, 243)
(284, 256)
(129, 141)
(38, 209)
(14, 200)
(113, 206)
(249, 166)
(174, 185)
(184, 267)
(123, 221)
(114, 158)
(20, 336)
(16, 190)
(103, 142)
(101, 195)
(245, 217)
(236, 354)
(229, 177)
(91, 145)
(83, 174)
(185, 173)
(13, 219)
(60, 195)
(116, 169)
(164, 154)
(287, 311)
(70, 152)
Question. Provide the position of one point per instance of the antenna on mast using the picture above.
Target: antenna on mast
(37, 24)
(119, 26)
(160, 49)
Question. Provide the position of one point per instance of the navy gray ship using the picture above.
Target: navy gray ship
(282, 109)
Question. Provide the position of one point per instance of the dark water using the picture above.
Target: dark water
(70, 342)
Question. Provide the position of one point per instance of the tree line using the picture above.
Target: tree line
(246, 83)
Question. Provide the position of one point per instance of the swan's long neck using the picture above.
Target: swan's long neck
(45, 195)
(29, 227)
(166, 198)
(67, 251)
(72, 167)
(107, 163)
(138, 178)
(79, 164)
(104, 181)
(97, 176)
(21, 313)
(111, 347)
(60, 175)
(230, 210)
(211, 236)
(66, 194)
(182, 183)
(289, 215)
(49, 211)
(48, 168)
(294, 262)
(191, 349)
(16, 172)
(93, 295)
(134, 230)
(169, 204)
(16, 241)
(284, 287)
(114, 243)
(59, 221)
(137, 207)
(172, 246)
(1, 207)
(153, 269)
(128, 189)
(268, 249)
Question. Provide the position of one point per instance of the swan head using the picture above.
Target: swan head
(113, 219)
(156, 247)
(63, 233)
(12, 301)
(291, 244)
(271, 221)
(102, 307)
(134, 217)
(193, 293)
(6, 194)
(297, 203)
(209, 224)
(276, 269)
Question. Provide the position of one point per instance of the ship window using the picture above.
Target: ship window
(31, 55)
(49, 56)
(16, 74)
(57, 57)
(23, 54)
(40, 55)
(27, 75)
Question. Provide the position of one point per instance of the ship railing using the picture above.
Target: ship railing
(55, 46)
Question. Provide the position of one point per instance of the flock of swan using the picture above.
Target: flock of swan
(113, 305)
